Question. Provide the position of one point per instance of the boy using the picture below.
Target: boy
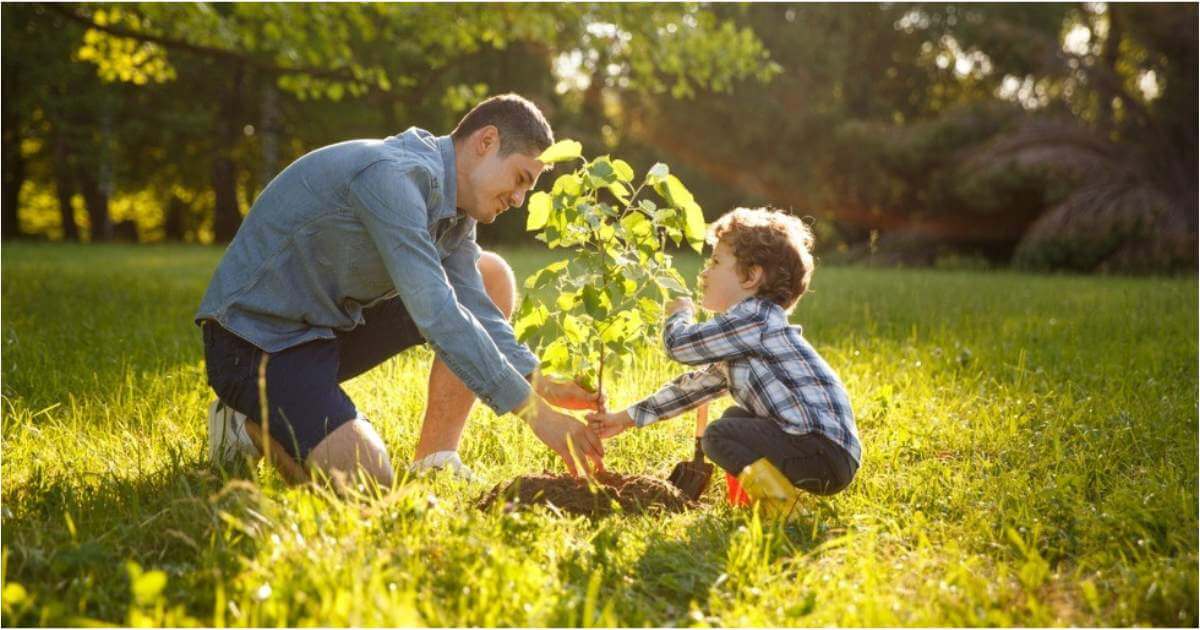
(792, 414)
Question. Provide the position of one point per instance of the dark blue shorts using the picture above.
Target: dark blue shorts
(304, 395)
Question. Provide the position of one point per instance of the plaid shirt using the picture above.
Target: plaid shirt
(752, 352)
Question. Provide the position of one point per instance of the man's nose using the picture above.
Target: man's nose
(517, 199)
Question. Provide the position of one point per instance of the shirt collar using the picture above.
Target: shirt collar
(449, 206)
(754, 302)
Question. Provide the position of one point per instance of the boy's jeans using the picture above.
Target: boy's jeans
(812, 462)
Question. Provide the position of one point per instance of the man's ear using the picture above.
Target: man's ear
(486, 138)
(754, 278)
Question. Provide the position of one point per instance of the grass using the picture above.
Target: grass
(1030, 459)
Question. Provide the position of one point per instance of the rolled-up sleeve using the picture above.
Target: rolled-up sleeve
(463, 270)
(392, 203)
(685, 392)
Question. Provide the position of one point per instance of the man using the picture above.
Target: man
(357, 251)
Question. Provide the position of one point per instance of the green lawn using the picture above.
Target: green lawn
(1030, 459)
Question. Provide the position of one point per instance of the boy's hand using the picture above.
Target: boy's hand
(606, 425)
(568, 395)
(679, 304)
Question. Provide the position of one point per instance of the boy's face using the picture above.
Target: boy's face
(720, 283)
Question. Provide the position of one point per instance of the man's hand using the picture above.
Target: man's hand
(606, 425)
(565, 435)
(679, 304)
(568, 395)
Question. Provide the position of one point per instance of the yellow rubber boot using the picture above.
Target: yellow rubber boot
(764, 484)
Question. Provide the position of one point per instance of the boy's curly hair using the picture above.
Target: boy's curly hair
(776, 241)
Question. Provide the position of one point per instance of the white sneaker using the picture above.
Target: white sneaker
(444, 460)
(227, 437)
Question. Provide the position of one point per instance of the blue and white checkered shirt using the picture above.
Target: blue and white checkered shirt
(764, 362)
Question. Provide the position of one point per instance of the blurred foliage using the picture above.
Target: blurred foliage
(959, 127)
(1008, 132)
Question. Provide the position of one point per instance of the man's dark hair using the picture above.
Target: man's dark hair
(522, 126)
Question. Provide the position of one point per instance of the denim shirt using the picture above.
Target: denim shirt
(353, 223)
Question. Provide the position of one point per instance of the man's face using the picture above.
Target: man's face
(498, 183)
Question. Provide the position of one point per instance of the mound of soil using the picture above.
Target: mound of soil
(630, 493)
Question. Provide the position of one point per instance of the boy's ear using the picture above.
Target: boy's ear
(754, 278)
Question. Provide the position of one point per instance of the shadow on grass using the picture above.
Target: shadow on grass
(67, 540)
(722, 552)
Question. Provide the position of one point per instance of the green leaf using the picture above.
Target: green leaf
(651, 310)
(569, 184)
(665, 215)
(648, 206)
(694, 226)
(531, 321)
(557, 356)
(616, 332)
(573, 329)
(587, 380)
(593, 302)
(540, 205)
(623, 170)
(636, 223)
(630, 286)
(545, 275)
(657, 173)
(607, 209)
(675, 234)
(677, 193)
(620, 191)
(561, 151)
(616, 292)
(601, 172)
(673, 281)
(566, 300)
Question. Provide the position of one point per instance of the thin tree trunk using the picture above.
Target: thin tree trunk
(270, 123)
(94, 178)
(227, 218)
(14, 178)
(96, 201)
(64, 184)
(1110, 53)
(14, 162)
(175, 223)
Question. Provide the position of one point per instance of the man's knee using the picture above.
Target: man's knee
(352, 447)
(499, 281)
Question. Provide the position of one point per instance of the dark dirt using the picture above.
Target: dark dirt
(632, 494)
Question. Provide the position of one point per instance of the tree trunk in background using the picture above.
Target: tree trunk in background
(226, 217)
(1110, 54)
(14, 162)
(14, 177)
(271, 128)
(175, 221)
(95, 178)
(64, 185)
(96, 201)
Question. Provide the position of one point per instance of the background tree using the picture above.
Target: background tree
(1051, 135)
(880, 109)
